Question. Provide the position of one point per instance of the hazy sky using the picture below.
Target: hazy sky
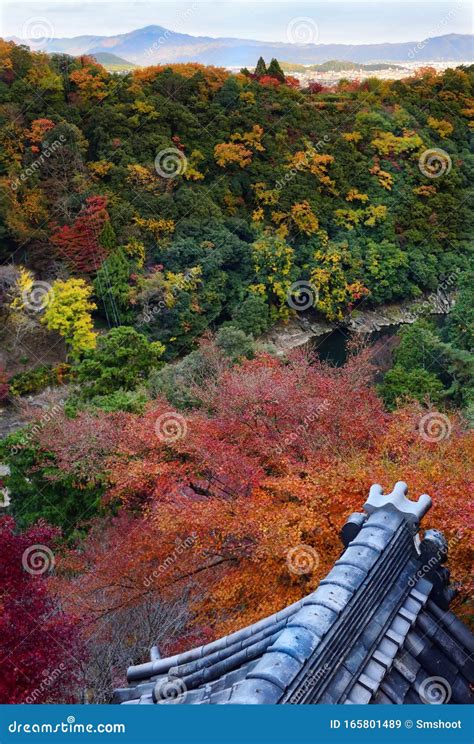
(348, 21)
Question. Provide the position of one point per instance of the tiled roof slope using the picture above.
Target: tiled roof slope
(377, 630)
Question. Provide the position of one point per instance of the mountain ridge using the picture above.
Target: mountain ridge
(155, 44)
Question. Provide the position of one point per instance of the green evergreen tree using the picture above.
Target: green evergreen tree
(275, 71)
(121, 359)
(112, 287)
(415, 384)
(252, 315)
(261, 68)
(107, 237)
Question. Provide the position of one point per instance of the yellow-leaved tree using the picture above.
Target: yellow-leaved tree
(335, 294)
(441, 126)
(68, 311)
(273, 262)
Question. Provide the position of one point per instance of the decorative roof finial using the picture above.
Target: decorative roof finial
(413, 511)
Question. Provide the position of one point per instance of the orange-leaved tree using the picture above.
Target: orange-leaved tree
(236, 494)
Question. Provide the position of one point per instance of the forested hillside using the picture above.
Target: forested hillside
(153, 226)
(206, 195)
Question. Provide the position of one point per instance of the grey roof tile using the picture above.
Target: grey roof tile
(375, 671)
(370, 632)
(347, 577)
(407, 666)
(455, 627)
(276, 667)
(382, 699)
(297, 642)
(337, 686)
(331, 596)
(395, 686)
(217, 698)
(371, 537)
(315, 617)
(360, 695)
(255, 692)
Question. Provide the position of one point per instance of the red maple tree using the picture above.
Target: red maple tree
(80, 242)
(277, 456)
(39, 648)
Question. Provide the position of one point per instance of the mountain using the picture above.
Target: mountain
(155, 44)
(113, 63)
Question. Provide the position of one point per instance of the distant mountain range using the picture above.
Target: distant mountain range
(155, 44)
(113, 62)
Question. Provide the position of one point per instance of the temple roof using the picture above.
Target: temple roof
(378, 629)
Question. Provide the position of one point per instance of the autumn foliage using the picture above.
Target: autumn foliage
(153, 206)
(79, 243)
(278, 455)
(39, 646)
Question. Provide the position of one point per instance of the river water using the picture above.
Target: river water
(332, 347)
